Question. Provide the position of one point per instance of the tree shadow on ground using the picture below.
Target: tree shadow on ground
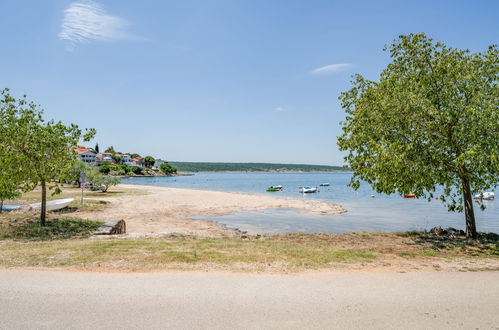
(484, 244)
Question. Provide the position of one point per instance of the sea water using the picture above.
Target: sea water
(387, 213)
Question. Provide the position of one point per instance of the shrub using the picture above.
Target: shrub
(101, 181)
(168, 169)
(105, 169)
(55, 229)
(136, 170)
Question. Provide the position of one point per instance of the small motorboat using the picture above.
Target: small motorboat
(54, 205)
(409, 196)
(326, 184)
(307, 190)
(488, 196)
(275, 188)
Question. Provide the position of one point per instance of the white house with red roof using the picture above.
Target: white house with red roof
(137, 161)
(85, 154)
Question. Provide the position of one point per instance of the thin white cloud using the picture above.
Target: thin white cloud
(86, 20)
(280, 109)
(332, 68)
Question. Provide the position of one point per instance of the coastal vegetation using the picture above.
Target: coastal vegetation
(275, 253)
(253, 167)
(168, 169)
(431, 121)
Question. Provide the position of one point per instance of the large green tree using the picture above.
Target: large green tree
(430, 121)
(41, 149)
(149, 161)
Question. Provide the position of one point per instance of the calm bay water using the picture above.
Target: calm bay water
(381, 213)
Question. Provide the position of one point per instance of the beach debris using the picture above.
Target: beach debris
(449, 232)
(112, 227)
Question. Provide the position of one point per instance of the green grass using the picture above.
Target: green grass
(63, 228)
(45, 247)
(178, 253)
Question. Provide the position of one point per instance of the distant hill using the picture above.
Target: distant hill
(253, 167)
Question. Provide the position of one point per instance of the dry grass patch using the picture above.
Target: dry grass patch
(273, 253)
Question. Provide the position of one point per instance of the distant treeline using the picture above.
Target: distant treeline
(253, 167)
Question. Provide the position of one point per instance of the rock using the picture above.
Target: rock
(438, 231)
(449, 232)
(112, 227)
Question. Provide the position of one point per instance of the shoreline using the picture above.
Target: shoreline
(165, 210)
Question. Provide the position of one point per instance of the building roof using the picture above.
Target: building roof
(82, 151)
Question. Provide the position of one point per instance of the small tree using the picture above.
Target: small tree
(432, 120)
(168, 169)
(96, 148)
(117, 159)
(75, 171)
(110, 150)
(41, 149)
(101, 181)
(149, 161)
(136, 170)
(105, 168)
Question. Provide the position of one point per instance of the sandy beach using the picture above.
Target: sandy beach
(167, 210)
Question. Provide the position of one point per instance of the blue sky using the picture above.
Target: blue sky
(242, 81)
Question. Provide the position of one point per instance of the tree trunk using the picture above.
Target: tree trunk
(43, 209)
(1, 206)
(468, 210)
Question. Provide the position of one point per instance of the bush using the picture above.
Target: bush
(168, 169)
(101, 181)
(55, 229)
(136, 170)
(105, 169)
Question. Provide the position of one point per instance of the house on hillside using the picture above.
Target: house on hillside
(104, 157)
(85, 154)
(137, 161)
(127, 160)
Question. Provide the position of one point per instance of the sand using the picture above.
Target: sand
(167, 210)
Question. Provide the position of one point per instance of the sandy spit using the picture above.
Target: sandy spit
(167, 210)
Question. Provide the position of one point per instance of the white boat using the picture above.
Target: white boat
(54, 205)
(307, 190)
(325, 184)
(488, 195)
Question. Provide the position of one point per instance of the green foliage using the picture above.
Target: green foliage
(117, 159)
(96, 148)
(149, 161)
(136, 170)
(38, 151)
(105, 169)
(76, 169)
(252, 167)
(55, 229)
(167, 169)
(100, 181)
(134, 155)
(431, 120)
(110, 150)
